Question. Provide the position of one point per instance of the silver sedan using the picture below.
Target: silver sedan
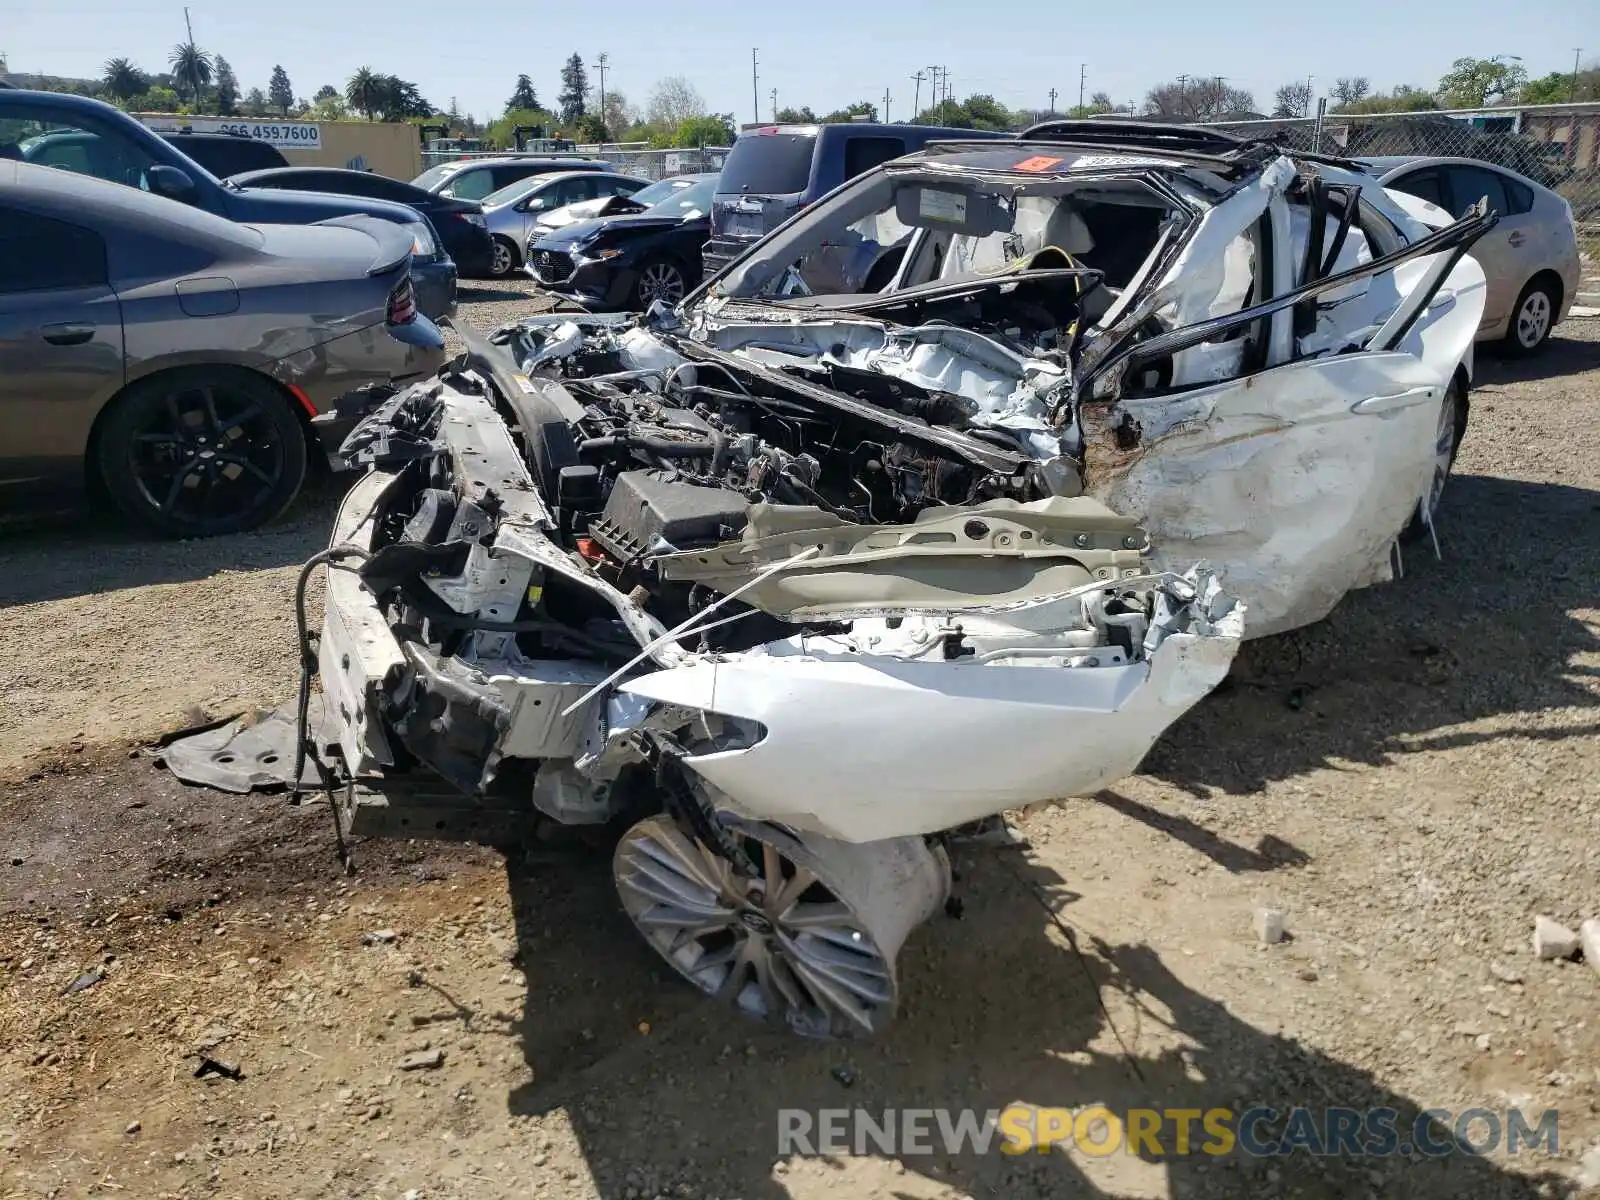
(511, 212)
(1530, 258)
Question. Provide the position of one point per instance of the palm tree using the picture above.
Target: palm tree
(366, 92)
(123, 80)
(192, 67)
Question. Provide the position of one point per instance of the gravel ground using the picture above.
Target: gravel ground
(1411, 782)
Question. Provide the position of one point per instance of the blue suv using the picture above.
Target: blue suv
(774, 171)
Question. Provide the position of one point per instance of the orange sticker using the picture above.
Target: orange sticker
(1037, 164)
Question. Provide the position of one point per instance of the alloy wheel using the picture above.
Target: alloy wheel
(500, 264)
(206, 454)
(781, 945)
(1533, 319)
(660, 281)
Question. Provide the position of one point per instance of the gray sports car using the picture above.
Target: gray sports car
(180, 363)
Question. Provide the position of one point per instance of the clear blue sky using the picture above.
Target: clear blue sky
(825, 53)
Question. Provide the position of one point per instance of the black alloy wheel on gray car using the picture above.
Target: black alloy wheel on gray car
(1532, 319)
(202, 451)
(505, 258)
(659, 279)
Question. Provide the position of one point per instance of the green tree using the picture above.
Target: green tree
(365, 92)
(1403, 98)
(1561, 87)
(574, 86)
(227, 87)
(591, 127)
(255, 102)
(156, 99)
(861, 108)
(796, 116)
(708, 129)
(192, 69)
(523, 95)
(123, 80)
(280, 91)
(329, 105)
(1477, 82)
(975, 112)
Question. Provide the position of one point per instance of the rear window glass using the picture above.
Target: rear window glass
(1471, 184)
(1424, 185)
(770, 164)
(435, 175)
(1519, 197)
(863, 153)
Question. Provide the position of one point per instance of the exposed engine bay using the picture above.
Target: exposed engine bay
(790, 584)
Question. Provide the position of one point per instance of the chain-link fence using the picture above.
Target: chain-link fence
(1557, 145)
(636, 158)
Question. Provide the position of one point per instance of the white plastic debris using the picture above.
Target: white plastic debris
(1552, 940)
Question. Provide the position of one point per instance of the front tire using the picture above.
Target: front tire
(505, 258)
(660, 279)
(1532, 319)
(1452, 428)
(201, 452)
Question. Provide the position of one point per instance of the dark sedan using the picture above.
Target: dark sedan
(179, 362)
(625, 263)
(459, 223)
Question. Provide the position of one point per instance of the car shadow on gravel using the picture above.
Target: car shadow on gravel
(1486, 633)
(669, 1093)
(93, 552)
(1559, 357)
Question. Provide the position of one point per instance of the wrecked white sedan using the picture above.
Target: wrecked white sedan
(800, 577)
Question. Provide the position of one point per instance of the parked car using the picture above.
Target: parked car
(613, 205)
(1531, 258)
(773, 172)
(631, 260)
(475, 178)
(459, 223)
(511, 212)
(963, 543)
(225, 154)
(89, 137)
(181, 362)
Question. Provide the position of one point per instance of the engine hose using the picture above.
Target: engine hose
(334, 558)
(665, 447)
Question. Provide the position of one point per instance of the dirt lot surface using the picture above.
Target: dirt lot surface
(1411, 782)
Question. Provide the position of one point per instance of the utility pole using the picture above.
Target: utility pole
(1183, 96)
(916, 103)
(1083, 74)
(193, 82)
(774, 106)
(1052, 102)
(1572, 92)
(886, 106)
(1311, 95)
(601, 66)
(933, 96)
(944, 78)
(755, 88)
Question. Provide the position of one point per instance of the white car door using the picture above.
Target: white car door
(1293, 479)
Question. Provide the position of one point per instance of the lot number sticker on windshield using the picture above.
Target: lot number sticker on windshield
(1036, 164)
(942, 206)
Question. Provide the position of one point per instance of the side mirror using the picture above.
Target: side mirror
(171, 182)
